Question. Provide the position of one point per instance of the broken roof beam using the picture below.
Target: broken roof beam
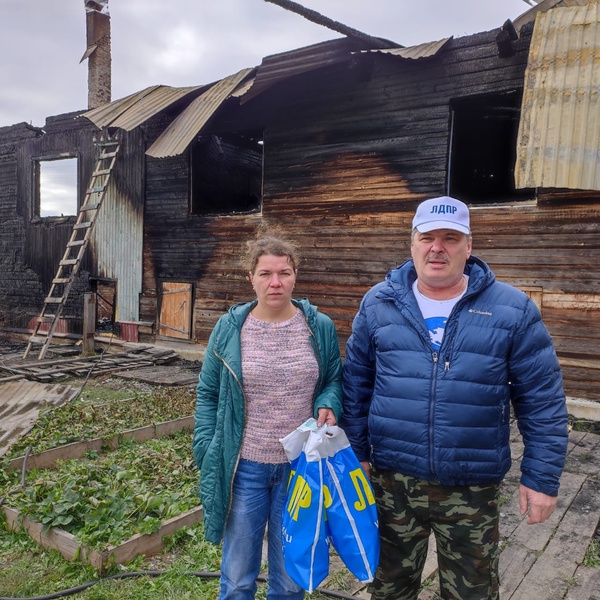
(319, 19)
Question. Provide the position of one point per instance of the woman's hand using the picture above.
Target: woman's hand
(326, 417)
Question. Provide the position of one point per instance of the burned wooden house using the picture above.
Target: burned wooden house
(337, 142)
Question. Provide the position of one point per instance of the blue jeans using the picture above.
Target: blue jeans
(258, 496)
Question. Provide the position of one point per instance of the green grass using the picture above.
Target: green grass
(592, 556)
(26, 571)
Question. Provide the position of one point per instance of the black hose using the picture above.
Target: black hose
(203, 574)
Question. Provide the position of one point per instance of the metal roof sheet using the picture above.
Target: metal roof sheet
(130, 112)
(20, 404)
(558, 144)
(425, 50)
(177, 137)
(105, 114)
(151, 104)
(545, 5)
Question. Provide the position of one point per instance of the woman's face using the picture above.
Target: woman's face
(273, 281)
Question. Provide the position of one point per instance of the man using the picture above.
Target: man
(438, 352)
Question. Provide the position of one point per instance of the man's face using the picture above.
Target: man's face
(440, 256)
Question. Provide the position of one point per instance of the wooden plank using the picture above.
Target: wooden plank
(54, 538)
(549, 577)
(584, 457)
(431, 563)
(575, 437)
(152, 543)
(586, 585)
(536, 537)
(515, 562)
(68, 546)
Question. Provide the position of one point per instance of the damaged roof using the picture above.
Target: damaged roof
(199, 103)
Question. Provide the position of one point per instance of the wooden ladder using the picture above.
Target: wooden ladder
(76, 246)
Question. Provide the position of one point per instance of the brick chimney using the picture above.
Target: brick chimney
(98, 52)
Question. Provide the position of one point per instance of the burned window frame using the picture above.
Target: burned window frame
(482, 170)
(37, 183)
(212, 190)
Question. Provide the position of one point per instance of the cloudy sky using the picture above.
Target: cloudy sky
(191, 42)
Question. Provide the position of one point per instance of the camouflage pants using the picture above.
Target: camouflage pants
(464, 520)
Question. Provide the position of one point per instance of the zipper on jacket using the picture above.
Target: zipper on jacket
(237, 460)
(450, 346)
(432, 411)
(319, 360)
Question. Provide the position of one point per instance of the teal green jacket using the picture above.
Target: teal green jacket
(220, 405)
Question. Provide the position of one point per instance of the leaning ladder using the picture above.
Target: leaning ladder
(76, 246)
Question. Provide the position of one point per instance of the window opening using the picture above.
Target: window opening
(57, 187)
(106, 303)
(483, 149)
(226, 174)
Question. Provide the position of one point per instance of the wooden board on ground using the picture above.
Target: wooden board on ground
(162, 375)
(68, 546)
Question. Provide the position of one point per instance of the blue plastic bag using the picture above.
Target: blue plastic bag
(304, 534)
(325, 470)
(352, 521)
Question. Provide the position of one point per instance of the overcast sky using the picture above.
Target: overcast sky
(192, 42)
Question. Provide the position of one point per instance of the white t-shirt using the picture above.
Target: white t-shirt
(436, 313)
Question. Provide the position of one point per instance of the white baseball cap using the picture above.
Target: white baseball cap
(442, 213)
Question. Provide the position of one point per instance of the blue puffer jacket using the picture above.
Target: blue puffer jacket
(221, 410)
(445, 416)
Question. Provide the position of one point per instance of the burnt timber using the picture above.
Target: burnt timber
(351, 138)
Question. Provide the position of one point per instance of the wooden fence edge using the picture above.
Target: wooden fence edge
(68, 546)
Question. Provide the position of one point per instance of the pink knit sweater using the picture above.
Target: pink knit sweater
(279, 374)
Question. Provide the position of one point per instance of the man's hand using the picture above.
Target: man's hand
(540, 506)
(366, 466)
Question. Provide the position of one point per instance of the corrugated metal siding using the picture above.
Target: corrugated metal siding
(559, 134)
(152, 104)
(186, 126)
(117, 239)
(105, 115)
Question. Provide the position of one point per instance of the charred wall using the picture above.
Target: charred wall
(349, 151)
(32, 245)
(18, 283)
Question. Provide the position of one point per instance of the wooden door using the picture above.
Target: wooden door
(176, 310)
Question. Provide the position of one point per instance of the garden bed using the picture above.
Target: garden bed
(68, 546)
(77, 478)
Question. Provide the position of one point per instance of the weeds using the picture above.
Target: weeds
(86, 418)
(592, 555)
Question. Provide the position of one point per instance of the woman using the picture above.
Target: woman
(270, 364)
